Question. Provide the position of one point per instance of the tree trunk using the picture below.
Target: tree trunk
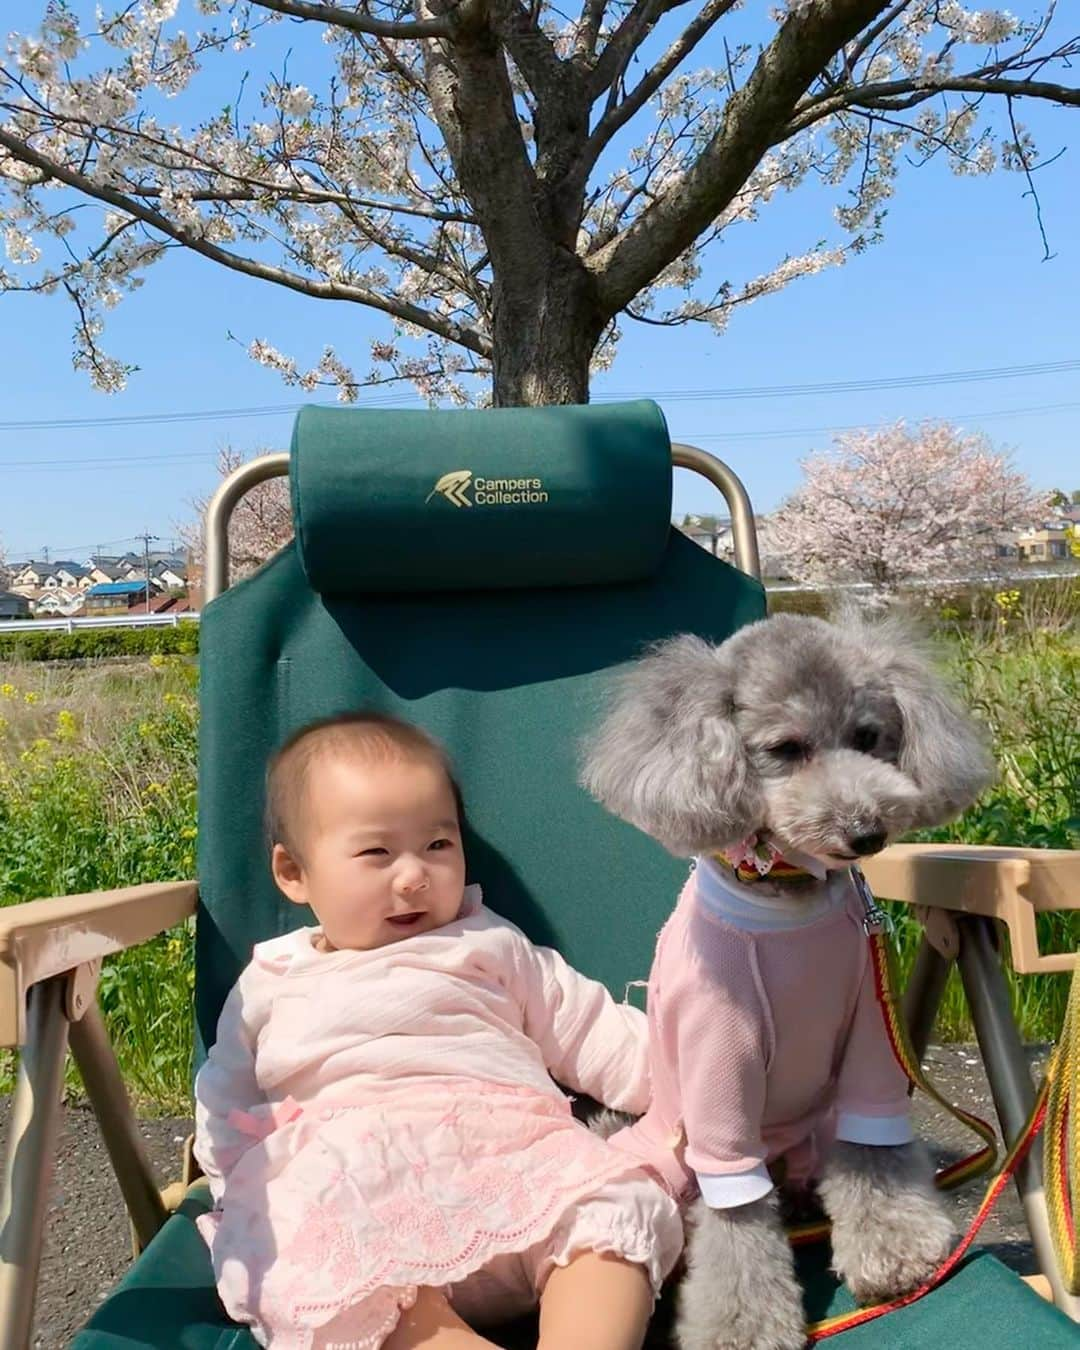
(545, 329)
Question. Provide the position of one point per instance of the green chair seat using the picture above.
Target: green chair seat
(168, 1301)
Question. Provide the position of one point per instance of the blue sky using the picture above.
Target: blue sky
(957, 285)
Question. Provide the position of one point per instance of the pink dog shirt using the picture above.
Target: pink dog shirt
(766, 1040)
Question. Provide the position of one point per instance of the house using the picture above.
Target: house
(116, 597)
(711, 533)
(72, 576)
(54, 602)
(1044, 543)
(170, 574)
(13, 606)
(31, 577)
(170, 604)
(101, 573)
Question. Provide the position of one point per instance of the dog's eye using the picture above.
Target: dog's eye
(865, 740)
(790, 751)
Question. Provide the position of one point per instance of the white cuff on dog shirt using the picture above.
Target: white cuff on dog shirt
(883, 1130)
(734, 1189)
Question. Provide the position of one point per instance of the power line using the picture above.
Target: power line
(667, 395)
(68, 552)
(107, 461)
(795, 432)
(780, 433)
(856, 386)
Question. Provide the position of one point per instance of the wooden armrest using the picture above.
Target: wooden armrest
(43, 938)
(1010, 884)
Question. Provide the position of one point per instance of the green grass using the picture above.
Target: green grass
(1023, 680)
(97, 789)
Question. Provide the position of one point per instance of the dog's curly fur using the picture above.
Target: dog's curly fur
(830, 739)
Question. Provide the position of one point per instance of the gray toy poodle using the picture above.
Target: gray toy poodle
(777, 759)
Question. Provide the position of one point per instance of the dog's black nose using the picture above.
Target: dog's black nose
(865, 844)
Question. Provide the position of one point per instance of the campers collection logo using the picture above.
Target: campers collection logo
(456, 485)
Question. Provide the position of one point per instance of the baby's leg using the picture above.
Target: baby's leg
(597, 1302)
(432, 1322)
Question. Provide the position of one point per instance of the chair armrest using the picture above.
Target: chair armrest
(1010, 884)
(43, 938)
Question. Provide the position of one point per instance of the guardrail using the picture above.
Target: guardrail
(62, 625)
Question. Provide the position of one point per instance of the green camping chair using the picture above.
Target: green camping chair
(482, 574)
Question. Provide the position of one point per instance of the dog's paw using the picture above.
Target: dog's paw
(740, 1290)
(607, 1122)
(890, 1230)
(893, 1252)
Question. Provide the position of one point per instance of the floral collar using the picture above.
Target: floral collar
(756, 859)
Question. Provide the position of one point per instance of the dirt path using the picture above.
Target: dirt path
(88, 1245)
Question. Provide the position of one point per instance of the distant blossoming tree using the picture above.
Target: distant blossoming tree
(260, 524)
(901, 503)
(503, 181)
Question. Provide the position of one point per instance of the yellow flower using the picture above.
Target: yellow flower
(8, 690)
(189, 832)
(145, 730)
(158, 788)
(157, 661)
(30, 696)
(1007, 601)
(66, 727)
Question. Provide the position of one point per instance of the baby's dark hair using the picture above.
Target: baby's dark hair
(376, 736)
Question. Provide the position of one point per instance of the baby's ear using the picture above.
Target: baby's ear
(668, 757)
(943, 749)
(288, 875)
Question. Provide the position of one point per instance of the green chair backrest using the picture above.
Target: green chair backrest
(493, 616)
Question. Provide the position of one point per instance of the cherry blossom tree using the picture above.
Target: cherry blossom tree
(898, 504)
(261, 522)
(505, 183)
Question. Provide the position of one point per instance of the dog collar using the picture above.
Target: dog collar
(755, 859)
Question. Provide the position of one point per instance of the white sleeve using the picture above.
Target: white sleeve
(226, 1090)
(589, 1042)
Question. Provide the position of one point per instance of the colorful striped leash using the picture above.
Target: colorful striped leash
(975, 1164)
(876, 925)
(1061, 1157)
(830, 1326)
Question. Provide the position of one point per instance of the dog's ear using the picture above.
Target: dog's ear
(668, 757)
(942, 749)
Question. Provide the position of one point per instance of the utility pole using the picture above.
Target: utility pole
(146, 537)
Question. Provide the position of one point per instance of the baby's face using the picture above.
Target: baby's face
(382, 855)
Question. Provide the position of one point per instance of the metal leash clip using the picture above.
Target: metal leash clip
(875, 920)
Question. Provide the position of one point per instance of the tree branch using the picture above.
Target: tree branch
(898, 95)
(251, 187)
(624, 42)
(618, 116)
(753, 116)
(1033, 190)
(858, 49)
(473, 104)
(592, 16)
(533, 51)
(323, 290)
(358, 22)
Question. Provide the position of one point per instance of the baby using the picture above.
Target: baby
(390, 1159)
